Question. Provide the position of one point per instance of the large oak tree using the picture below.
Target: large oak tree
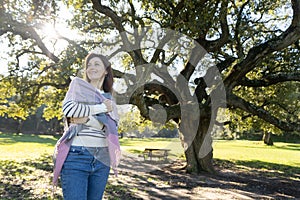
(254, 46)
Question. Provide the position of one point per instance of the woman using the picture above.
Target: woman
(90, 144)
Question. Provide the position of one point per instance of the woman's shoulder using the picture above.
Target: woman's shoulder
(77, 79)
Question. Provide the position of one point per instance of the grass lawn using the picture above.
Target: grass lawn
(26, 165)
(137, 145)
(23, 147)
(243, 150)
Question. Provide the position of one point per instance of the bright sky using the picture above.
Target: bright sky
(3, 63)
(49, 31)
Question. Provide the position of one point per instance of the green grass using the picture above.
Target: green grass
(138, 145)
(26, 166)
(243, 150)
(232, 150)
(23, 147)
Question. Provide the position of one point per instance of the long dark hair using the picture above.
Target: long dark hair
(108, 80)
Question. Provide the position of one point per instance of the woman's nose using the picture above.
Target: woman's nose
(92, 66)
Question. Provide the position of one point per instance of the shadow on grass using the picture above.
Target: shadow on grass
(119, 192)
(11, 180)
(30, 179)
(239, 179)
(271, 179)
(294, 147)
(269, 169)
(170, 183)
(135, 151)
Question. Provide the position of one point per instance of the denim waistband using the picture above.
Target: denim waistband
(87, 148)
(99, 153)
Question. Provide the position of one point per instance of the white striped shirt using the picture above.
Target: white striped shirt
(92, 134)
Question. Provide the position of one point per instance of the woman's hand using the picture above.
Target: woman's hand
(108, 104)
(78, 120)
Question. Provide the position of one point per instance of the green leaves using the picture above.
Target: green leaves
(40, 67)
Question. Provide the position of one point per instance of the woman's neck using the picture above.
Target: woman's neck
(98, 83)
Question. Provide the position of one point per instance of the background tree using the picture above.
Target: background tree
(255, 46)
(132, 124)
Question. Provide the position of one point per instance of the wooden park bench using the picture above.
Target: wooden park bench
(158, 153)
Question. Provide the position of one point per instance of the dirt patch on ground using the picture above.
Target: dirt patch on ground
(140, 179)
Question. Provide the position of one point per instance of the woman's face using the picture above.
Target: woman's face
(95, 69)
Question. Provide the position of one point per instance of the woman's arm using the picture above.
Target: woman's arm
(114, 112)
(75, 109)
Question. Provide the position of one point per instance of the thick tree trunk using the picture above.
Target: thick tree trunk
(198, 147)
(267, 138)
(195, 164)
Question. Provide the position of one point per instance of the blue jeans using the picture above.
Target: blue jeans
(84, 176)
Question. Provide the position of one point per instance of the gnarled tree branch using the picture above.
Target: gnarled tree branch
(237, 102)
(271, 79)
(257, 53)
